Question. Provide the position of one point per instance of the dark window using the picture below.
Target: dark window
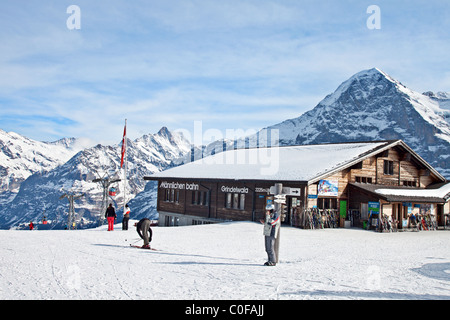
(200, 198)
(388, 167)
(172, 195)
(363, 179)
(409, 183)
(327, 203)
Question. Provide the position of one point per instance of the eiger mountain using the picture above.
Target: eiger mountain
(42, 190)
(371, 105)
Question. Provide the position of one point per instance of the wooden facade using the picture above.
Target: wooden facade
(214, 201)
(350, 187)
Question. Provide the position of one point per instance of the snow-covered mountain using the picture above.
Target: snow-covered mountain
(21, 157)
(41, 191)
(371, 105)
(443, 99)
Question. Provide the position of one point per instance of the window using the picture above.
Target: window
(194, 197)
(172, 195)
(363, 179)
(242, 202)
(388, 167)
(327, 203)
(409, 184)
(171, 221)
(200, 198)
(235, 201)
(205, 198)
(228, 200)
(198, 222)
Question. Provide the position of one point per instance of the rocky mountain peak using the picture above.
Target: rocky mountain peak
(371, 105)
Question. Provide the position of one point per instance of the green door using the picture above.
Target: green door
(343, 208)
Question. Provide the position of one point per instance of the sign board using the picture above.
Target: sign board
(328, 188)
(287, 191)
(179, 186)
(291, 191)
(272, 190)
(373, 208)
(262, 190)
(312, 196)
(227, 189)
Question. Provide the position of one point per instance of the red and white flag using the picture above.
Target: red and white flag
(123, 145)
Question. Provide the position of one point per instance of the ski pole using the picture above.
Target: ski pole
(134, 240)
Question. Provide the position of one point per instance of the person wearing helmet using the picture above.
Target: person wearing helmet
(271, 227)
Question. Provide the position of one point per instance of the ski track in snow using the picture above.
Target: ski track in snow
(224, 261)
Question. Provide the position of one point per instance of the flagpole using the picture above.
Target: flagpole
(125, 170)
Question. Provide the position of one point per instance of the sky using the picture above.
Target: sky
(226, 65)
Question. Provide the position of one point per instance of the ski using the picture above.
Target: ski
(140, 247)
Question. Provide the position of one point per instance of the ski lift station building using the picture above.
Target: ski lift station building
(353, 179)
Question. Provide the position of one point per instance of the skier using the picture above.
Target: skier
(31, 225)
(110, 215)
(145, 232)
(271, 227)
(412, 219)
(126, 217)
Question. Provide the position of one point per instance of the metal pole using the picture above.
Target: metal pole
(278, 191)
(125, 171)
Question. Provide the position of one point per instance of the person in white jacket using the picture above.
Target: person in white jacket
(271, 227)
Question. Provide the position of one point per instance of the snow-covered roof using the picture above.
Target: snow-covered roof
(441, 192)
(307, 163)
(438, 194)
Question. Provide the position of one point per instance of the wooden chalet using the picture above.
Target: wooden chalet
(350, 178)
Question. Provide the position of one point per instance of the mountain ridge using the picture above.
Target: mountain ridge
(369, 106)
(41, 191)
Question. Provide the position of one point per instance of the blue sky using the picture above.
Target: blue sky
(229, 64)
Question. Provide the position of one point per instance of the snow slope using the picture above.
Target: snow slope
(224, 261)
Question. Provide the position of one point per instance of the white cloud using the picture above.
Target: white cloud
(173, 62)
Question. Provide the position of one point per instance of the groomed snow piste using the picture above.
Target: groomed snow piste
(224, 261)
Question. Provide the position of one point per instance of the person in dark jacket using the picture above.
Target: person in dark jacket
(110, 215)
(145, 232)
(126, 217)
